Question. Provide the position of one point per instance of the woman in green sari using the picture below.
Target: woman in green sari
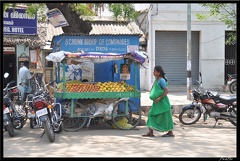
(160, 115)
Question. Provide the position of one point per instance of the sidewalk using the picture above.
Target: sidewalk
(177, 96)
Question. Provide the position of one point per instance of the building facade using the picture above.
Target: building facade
(25, 38)
(166, 32)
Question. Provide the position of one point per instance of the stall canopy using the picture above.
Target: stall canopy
(97, 57)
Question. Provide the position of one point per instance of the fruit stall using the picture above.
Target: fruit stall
(111, 98)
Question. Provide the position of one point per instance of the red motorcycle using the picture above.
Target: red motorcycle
(46, 113)
(210, 104)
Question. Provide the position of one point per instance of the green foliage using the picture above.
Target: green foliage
(116, 9)
(82, 9)
(129, 12)
(125, 10)
(225, 12)
(32, 9)
(37, 8)
(5, 6)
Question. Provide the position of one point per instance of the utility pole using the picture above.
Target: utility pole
(189, 77)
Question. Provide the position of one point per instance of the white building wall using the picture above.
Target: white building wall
(173, 17)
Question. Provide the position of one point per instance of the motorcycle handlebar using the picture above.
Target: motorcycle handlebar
(233, 76)
(38, 96)
(50, 83)
(45, 87)
(7, 89)
(10, 83)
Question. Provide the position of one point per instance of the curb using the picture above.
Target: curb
(176, 109)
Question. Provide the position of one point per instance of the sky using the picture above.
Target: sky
(138, 7)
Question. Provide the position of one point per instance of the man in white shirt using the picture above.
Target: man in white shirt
(24, 77)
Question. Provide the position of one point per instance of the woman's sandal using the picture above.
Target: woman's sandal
(168, 135)
(148, 135)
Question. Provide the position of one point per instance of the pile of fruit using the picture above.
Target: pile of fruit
(78, 86)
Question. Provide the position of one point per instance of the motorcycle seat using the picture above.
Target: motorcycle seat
(227, 99)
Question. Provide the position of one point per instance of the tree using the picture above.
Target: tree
(225, 12)
(126, 11)
(74, 13)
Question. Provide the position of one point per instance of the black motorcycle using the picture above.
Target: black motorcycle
(210, 104)
(14, 116)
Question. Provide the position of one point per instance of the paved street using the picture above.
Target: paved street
(199, 140)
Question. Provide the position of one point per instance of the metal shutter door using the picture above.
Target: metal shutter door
(171, 54)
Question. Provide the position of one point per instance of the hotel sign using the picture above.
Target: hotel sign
(9, 49)
(18, 22)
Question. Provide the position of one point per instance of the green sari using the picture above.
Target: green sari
(160, 115)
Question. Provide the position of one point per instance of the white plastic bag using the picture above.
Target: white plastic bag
(100, 109)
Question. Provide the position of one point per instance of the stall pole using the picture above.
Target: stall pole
(135, 75)
(64, 79)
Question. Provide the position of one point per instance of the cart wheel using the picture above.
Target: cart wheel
(72, 124)
(126, 115)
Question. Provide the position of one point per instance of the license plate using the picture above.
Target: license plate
(41, 112)
(6, 110)
(29, 115)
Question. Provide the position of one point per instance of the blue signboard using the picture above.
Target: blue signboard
(105, 44)
(18, 22)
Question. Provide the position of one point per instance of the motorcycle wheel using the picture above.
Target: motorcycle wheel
(190, 116)
(10, 129)
(26, 110)
(234, 112)
(49, 130)
(233, 87)
(32, 123)
(19, 123)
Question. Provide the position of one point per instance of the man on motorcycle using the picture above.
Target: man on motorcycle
(24, 77)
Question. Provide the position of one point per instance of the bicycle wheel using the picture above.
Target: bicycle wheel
(72, 124)
(126, 115)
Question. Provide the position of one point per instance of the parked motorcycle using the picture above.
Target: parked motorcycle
(232, 83)
(44, 112)
(209, 104)
(28, 104)
(13, 102)
(14, 116)
(7, 121)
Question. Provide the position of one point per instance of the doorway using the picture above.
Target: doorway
(9, 65)
(230, 57)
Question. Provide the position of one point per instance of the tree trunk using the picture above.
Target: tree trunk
(76, 24)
